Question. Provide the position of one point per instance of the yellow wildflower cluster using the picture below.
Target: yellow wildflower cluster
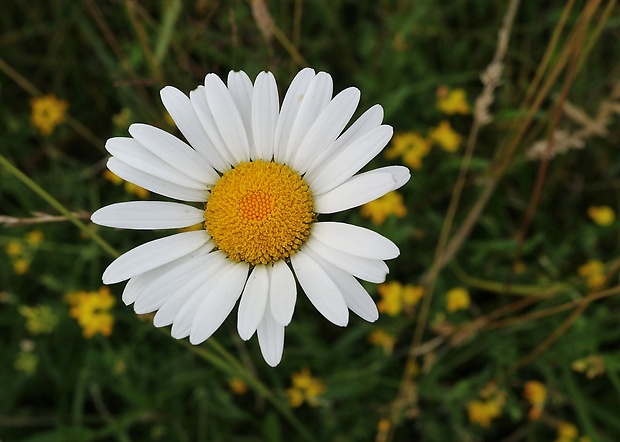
(39, 319)
(446, 137)
(396, 297)
(306, 388)
(593, 272)
(382, 338)
(457, 299)
(592, 366)
(130, 188)
(389, 204)
(411, 146)
(535, 393)
(490, 405)
(22, 252)
(92, 311)
(602, 215)
(47, 112)
(452, 101)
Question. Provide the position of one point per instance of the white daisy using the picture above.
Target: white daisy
(263, 174)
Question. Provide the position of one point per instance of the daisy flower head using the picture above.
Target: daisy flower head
(257, 175)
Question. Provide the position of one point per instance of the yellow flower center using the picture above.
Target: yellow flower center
(259, 212)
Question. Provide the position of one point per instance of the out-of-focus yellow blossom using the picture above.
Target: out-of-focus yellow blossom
(489, 407)
(567, 432)
(457, 299)
(26, 362)
(383, 430)
(39, 319)
(535, 393)
(169, 120)
(383, 339)
(483, 412)
(594, 273)
(446, 137)
(396, 297)
(92, 311)
(592, 366)
(452, 101)
(14, 248)
(20, 266)
(389, 204)
(306, 388)
(237, 386)
(122, 119)
(130, 188)
(602, 215)
(47, 112)
(411, 146)
(34, 238)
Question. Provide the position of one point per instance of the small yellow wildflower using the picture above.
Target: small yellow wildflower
(92, 311)
(389, 204)
(452, 101)
(567, 432)
(39, 319)
(395, 297)
(383, 339)
(594, 273)
(306, 388)
(14, 248)
(592, 366)
(130, 188)
(20, 266)
(383, 429)
(34, 238)
(411, 147)
(237, 386)
(535, 393)
(457, 299)
(47, 112)
(483, 412)
(602, 215)
(446, 137)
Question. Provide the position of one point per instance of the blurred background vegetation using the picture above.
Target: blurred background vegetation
(499, 320)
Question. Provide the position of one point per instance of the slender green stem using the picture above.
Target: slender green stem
(56, 205)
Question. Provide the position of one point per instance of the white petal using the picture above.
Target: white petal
(227, 118)
(132, 153)
(135, 286)
(174, 152)
(218, 303)
(371, 270)
(290, 107)
(240, 87)
(315, 99)
(361, 189)
(282, 292)
(355, 240)
(180, 109)
(369, 120)
(253, 302)
(213, 264)
(326, 128)
(355, 295)
(155, 184)
(265, 110)
(322, 292)
(153, 254)
(199, 101)
(349, 160)
(148, 215)
(165, 283)
(271, 339)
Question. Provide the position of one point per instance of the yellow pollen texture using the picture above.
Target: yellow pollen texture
(259, 212)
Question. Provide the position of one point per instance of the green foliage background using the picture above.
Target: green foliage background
(103, 57)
